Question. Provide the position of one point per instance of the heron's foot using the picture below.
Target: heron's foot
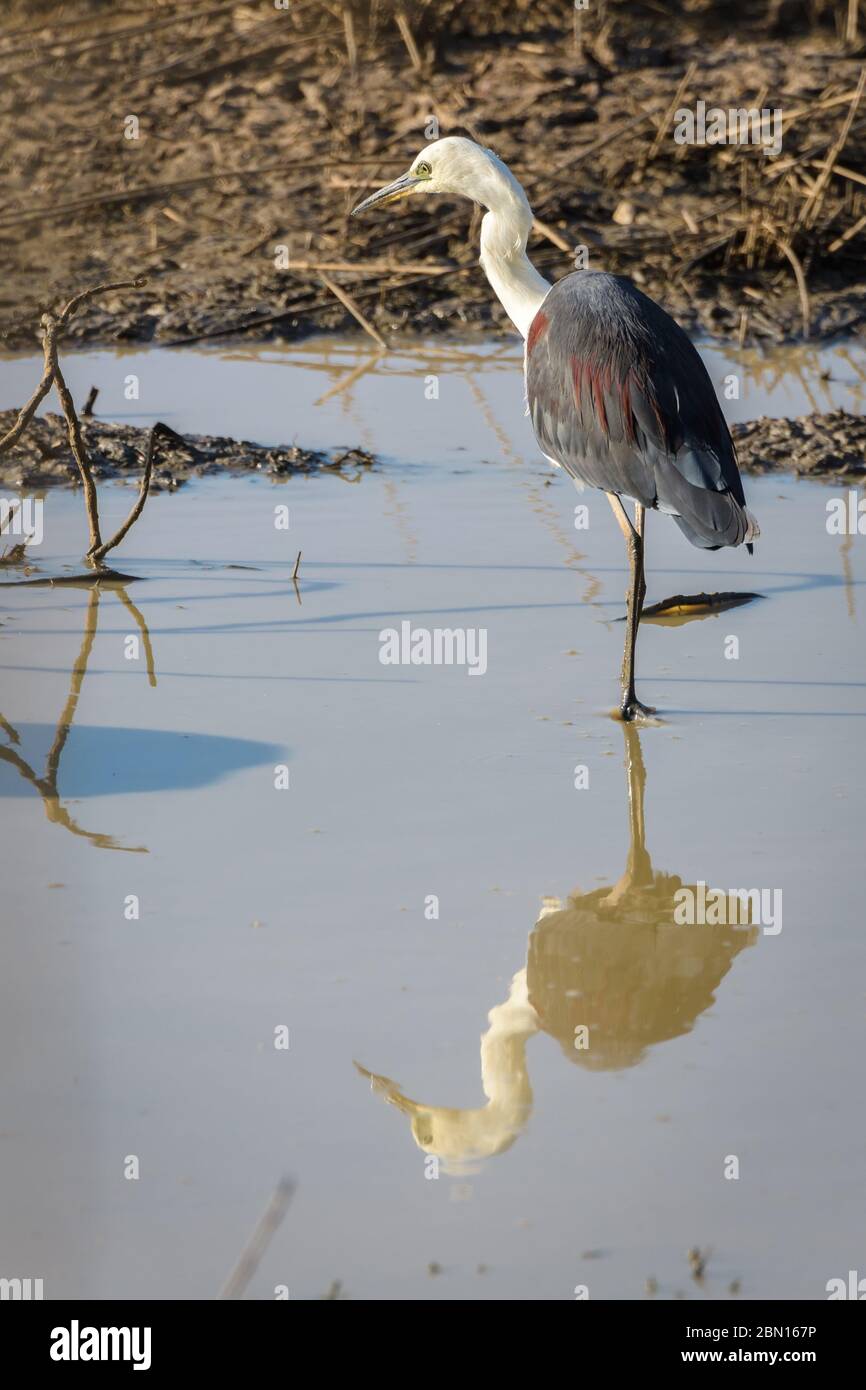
(632, 708)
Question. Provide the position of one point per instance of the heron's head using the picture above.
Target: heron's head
(456, 166)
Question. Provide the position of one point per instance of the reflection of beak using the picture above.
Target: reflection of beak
(390, 1091)
(389, 194)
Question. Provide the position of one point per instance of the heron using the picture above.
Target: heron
(618, 395)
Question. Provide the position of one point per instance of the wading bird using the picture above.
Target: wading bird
(617, 394)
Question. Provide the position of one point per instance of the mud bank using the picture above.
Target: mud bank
(190, 143)
(42, 457)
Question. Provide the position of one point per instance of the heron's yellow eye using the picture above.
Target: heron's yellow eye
(423, 170)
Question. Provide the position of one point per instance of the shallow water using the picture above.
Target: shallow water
(310, 907)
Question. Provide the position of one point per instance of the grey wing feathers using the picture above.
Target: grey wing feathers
(619, 396)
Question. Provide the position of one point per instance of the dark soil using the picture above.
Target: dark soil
(42, 456)
(260, 127)
(830, 446)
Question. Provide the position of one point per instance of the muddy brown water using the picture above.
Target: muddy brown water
(423, 1044)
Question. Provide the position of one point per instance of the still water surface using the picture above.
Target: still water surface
(414, 1037)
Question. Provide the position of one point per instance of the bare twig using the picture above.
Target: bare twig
(251, 1255)
(98, 554)
(552, 235)
(76, 441)
(842, 172)
(25, 415)
(409, 40)
(378, 267)
(685, 82)
(84, 296)
(812, 202)
(846, 236)
(52, 326)
(799, 274)
(348, 302)
(851, 24)
(351, 42)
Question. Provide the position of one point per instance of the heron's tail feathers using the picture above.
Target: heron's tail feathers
(753, 530)
(711, 520)
(710, 514)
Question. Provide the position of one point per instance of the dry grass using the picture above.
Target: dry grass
(259, 129)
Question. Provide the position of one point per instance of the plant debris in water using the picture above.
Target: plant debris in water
(830, 446)
(42, 456)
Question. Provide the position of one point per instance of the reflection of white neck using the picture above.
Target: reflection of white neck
(504, 233)
(465, 1136)
(504, 1078)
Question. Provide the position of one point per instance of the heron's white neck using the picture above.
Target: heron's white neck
(505, 231)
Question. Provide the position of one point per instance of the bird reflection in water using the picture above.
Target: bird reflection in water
(610, 969)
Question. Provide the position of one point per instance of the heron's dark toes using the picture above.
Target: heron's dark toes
(633, 709)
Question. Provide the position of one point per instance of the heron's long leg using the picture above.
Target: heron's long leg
(640, 527)
(634, 537)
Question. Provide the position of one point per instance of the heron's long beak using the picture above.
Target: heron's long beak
(400, 188)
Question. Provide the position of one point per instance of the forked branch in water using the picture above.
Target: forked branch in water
(52, 327)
